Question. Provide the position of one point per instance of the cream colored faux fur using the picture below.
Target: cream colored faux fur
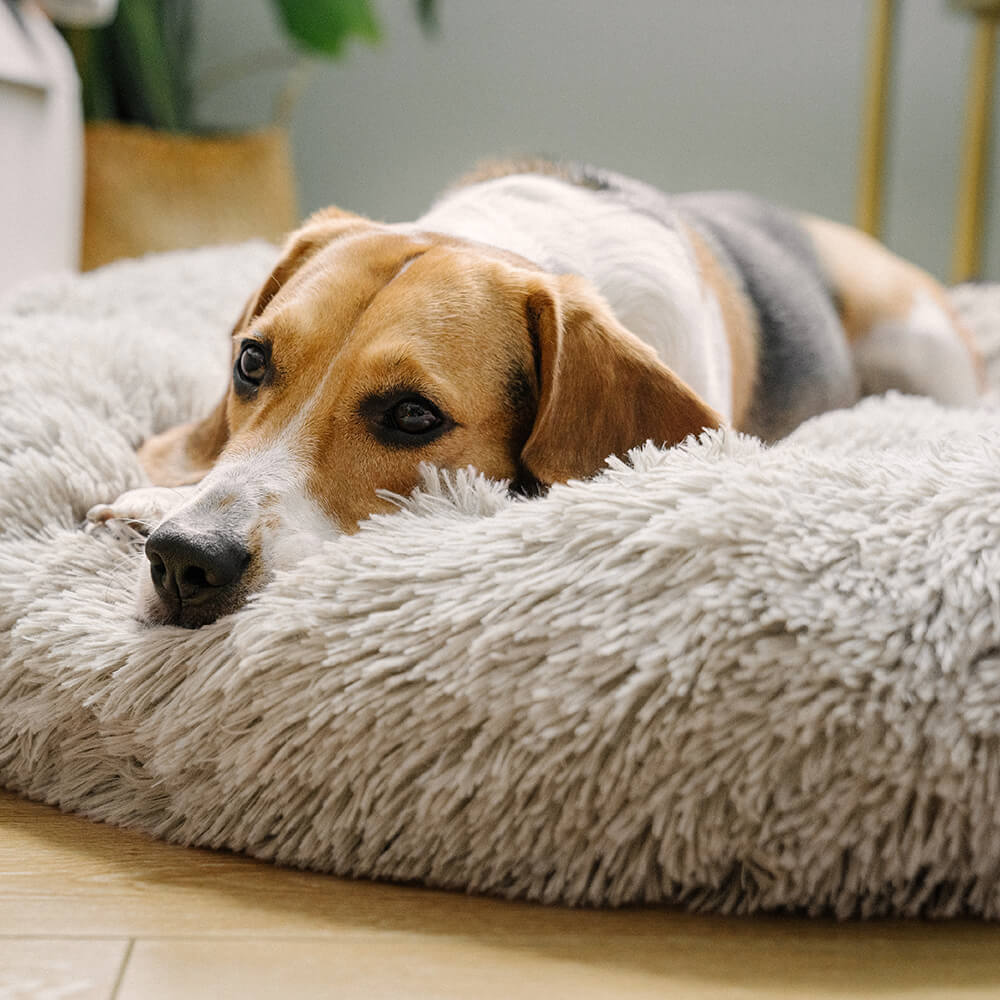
(734, 676)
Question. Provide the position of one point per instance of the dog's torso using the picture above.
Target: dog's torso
(737, 295)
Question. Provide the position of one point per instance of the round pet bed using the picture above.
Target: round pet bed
(733, 676)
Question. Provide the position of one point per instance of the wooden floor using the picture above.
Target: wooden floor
(88, 911)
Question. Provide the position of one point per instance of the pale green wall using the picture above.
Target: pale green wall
(756, 94)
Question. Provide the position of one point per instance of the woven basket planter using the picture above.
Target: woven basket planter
(148, 190)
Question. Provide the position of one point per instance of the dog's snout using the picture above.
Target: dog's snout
(195, 568)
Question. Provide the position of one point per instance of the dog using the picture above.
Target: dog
(538, 319)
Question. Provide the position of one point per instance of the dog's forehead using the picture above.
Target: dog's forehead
(391, 283)
(340, 280)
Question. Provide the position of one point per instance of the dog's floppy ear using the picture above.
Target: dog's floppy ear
(601, 391)
(184, 454)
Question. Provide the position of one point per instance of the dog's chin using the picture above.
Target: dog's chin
(157, 613)
(154, 610)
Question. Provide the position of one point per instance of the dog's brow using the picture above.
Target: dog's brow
(406, 263)
(367, 304)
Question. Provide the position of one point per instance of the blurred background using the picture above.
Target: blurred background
(762, 95)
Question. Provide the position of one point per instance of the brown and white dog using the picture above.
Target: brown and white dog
(537, 319)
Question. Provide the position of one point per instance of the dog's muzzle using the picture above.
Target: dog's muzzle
(198, 576)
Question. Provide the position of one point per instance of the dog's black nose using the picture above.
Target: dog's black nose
(192, 567)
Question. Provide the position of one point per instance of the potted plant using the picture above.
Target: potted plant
(153, 180)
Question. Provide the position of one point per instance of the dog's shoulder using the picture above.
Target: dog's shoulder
(570, 171)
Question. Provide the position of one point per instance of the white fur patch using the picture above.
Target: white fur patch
(921, 354)
(255, 496)
(260, 494)
(642, 268)
(140, 510)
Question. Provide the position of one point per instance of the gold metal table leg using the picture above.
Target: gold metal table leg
(873, 139)
(971, 209)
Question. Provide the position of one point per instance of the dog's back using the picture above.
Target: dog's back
(814, 313)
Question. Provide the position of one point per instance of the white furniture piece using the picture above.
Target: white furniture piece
(41, 136)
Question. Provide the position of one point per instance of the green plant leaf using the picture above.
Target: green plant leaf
(176, 18)
(148, 92)
(92, 54)
(323, 26)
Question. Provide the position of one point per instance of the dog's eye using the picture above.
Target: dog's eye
(403, 418)
(414, 416)
(251, 366)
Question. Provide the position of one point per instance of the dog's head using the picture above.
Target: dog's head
(369, 350)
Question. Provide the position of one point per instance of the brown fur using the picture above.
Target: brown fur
(533, 371)
(873, 285)
(184, 455)
(603, 390)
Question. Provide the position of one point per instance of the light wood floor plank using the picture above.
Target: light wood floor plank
(390, 966)
(56, 969)
(452, 967)
(207, 921)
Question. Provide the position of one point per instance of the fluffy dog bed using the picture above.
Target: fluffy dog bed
(733, 676)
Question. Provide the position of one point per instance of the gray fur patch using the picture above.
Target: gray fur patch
(805, 366)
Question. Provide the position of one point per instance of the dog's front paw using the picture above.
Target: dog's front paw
(135, 513)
